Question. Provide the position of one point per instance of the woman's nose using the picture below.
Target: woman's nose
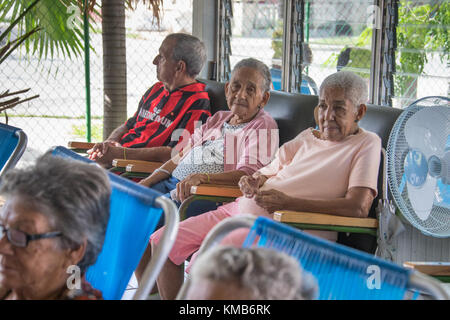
(329, 114)
(155, 61)
(240, 93)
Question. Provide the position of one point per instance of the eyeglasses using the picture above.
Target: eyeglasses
(20, 239)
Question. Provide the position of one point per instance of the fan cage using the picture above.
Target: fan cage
(438, 222)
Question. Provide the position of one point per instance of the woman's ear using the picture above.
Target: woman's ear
(361, 112)
(265, 99)
(77, 254)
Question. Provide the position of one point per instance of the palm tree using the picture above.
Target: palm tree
(57, 37)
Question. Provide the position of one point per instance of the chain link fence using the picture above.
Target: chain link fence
(59, 114)
(257, 32)
(338, 36)
(423, 45)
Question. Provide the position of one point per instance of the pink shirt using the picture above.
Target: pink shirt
(248, 149)
(310, 168)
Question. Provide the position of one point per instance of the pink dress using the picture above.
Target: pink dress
(305, 167)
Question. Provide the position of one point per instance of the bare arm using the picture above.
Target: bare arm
(158, 176)
(356, 203)
(117, 133)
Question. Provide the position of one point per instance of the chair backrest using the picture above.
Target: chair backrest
(13, 142)
(342, 273)
(134, 214)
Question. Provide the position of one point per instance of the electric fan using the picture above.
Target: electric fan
(418, 165)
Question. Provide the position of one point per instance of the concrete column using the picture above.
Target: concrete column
(204, 15)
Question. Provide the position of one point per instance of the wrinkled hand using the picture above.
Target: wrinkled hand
(101, 148)
(184, 187)
(249, 185)
(105, 152)
(272, 200)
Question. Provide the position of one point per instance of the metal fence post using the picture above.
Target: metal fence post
(87, 70)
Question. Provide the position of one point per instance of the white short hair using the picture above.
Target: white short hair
(354, 86)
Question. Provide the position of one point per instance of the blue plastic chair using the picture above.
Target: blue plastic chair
(13, 142)
(308, 85)
(342, 273)
(135, 211)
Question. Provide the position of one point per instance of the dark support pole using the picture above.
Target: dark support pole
(87, 70)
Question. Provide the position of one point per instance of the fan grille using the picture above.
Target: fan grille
(438, 222)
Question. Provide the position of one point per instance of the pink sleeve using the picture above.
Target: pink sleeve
(365, 165)
(260, 147)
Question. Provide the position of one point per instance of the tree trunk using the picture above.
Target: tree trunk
(114, 65)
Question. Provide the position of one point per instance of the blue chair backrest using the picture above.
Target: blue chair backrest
(341, 272)
(133, 218)
(9, 142)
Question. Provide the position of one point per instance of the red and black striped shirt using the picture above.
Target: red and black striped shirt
(160, 112)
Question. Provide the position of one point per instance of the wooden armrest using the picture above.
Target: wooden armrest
(216, 190)
(430, 268)
(145, 166)
(126, 162)
(324, 219)
(80, 145)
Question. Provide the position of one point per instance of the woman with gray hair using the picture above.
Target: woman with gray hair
(228, 146)
(52, 224)
(229, 273)
(205, 160)
(331, 170)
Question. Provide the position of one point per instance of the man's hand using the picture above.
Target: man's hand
(101, 148)
(105, 152)
(184, 187)
(272, 200)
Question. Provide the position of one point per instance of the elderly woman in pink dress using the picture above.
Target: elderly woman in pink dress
(231, 144)
(330, 170)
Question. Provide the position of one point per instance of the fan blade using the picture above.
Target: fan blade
(422, 198)
(427, 130)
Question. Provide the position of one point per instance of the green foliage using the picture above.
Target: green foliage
(60, 22)
(420, 28)
(277, 41)
(414, 38)
(96, 131)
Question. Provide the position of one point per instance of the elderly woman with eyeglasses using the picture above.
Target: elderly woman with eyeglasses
(52, 228)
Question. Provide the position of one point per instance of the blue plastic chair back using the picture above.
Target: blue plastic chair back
(9, 142)
(133, 218)
(307, 86)
(342, 273)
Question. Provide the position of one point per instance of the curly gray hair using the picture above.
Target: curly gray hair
(74, 196)
(354, 86)
(266, 273)
(190, 50)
